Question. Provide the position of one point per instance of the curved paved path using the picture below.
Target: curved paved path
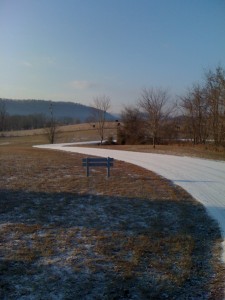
(203, 179)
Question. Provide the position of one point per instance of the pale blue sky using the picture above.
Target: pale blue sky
(74, 50)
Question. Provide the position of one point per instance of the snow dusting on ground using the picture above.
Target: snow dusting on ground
(204, 179)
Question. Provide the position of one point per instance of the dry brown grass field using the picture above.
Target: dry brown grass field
(134, 235)
(85, 132)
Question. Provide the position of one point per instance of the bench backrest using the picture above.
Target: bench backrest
(98, 162)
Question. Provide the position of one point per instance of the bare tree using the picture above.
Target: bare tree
(52, 127)
(215, 93)
(204, 108)
(154, 102)
(3, 115)
(101, 106)
(131, 130)
(195, 109)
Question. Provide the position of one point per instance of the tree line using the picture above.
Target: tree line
(204, 106)
(17, 122)
(198, 116)
(31, 121)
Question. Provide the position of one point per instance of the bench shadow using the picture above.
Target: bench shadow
(191, 181)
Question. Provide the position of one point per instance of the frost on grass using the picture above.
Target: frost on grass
(81, 247)
(134, 236)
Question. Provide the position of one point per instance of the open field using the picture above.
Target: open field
(132, 236)
(85, 132)
(66, 134)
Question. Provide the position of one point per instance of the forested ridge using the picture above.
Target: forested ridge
(31, 114)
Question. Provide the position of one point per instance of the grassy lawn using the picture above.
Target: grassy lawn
(134, 235)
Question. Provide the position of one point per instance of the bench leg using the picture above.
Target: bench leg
(87, 170)
(108, 167)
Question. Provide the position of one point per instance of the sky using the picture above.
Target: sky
(76, 50)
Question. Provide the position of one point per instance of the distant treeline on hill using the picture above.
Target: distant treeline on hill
(31, 114)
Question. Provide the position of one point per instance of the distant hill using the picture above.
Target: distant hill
(62, 110)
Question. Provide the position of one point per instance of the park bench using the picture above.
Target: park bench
(97, 162)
